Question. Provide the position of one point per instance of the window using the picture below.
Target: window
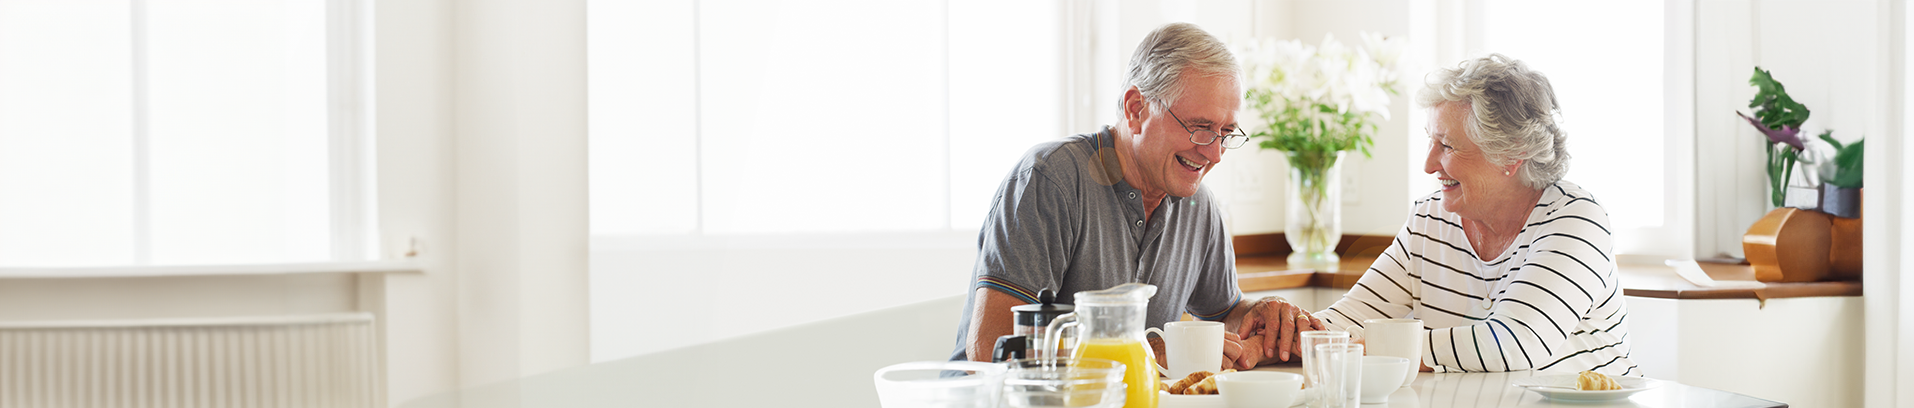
(180, 133)
(756, 149)
(768, 117)
(1616, 105)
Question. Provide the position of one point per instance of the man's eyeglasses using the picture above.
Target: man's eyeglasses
(1205, 136)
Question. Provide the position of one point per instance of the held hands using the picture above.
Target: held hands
(1240, 353)
(1274, 327)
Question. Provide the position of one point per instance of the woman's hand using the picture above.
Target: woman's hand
(1233, 349)
(1248, 359)
(1278, 324)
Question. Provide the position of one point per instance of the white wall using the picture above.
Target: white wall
(519, 118)
(480, 126)
(1889, 372)
(414, 128)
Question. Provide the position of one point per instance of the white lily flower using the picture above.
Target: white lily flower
(1325, 94)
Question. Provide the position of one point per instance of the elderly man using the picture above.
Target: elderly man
(1126, 204)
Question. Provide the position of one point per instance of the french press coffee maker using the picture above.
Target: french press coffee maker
(1031, 320)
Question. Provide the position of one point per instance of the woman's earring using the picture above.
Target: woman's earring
(1508, 173)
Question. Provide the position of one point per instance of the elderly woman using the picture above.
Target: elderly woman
(1509, 266)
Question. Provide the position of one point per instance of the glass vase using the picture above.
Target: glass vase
(1314, 222)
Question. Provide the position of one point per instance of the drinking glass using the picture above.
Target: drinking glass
(1311, 369)
(1342, 375)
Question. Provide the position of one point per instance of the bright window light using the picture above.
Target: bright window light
(1608, 80)
(164, 132)
(835, 117)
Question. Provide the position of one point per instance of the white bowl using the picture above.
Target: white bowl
(1259, 389)
(1382, 375)
(940, 383)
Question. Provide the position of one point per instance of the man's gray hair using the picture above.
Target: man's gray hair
(1512, 114)
(1156, 69)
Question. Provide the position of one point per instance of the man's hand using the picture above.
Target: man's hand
(1279, 325)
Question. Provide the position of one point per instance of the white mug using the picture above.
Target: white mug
(1192, 346)
(1395, 338)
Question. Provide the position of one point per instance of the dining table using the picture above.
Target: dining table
(1499, 389)
(824, 364)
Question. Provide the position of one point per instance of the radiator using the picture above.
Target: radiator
(282, 361)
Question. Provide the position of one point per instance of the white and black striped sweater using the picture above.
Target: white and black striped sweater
(1551, 302)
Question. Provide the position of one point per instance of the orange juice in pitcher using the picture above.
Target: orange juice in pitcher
(1110, 326)
(1140, 367)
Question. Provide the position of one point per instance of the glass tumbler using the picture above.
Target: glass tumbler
(1311, 369)
(1342, 375)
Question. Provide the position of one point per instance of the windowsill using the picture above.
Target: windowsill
(398, 266)
(1268, 269)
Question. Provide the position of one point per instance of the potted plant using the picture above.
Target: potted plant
(1841, 178)
(1841, 197)
(1315, 104)
(1778, 117)
(1803, 244)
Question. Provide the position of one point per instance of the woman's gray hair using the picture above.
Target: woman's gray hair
(1513, 114)
(1156, 69)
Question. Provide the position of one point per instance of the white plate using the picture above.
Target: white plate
(1544, 384)
(1164, 399)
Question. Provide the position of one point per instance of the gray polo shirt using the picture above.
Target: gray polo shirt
(1064, 219)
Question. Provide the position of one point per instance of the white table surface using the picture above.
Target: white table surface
(829, 364)
(1432, 390)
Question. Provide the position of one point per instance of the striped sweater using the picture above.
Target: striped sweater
(1550, 302)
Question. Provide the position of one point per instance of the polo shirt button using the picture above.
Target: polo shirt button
(1132, 195)
(1139, 223)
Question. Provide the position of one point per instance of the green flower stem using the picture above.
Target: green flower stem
(1781, 160)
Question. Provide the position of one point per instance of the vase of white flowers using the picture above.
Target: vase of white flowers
(1314, 104)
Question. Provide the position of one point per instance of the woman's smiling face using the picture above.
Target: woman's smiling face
(1469, 181)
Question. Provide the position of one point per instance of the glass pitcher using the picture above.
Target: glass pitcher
(1111, 327)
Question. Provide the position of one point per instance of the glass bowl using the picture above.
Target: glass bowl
(966, 384)
(1064, 382)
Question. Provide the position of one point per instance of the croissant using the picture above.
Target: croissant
(1594, 381)
(1185, 383)
(1205, 387)
(1197, 383)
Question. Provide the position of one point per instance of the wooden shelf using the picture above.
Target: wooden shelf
(1261, 266)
